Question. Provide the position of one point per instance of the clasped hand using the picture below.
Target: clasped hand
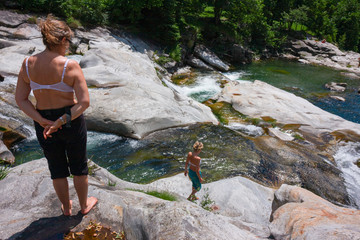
(50, 127)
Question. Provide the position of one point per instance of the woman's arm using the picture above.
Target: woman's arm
(22, 99)
(186, 164)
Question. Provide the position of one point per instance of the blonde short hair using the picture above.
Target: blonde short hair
(53, 31)
(198, 146)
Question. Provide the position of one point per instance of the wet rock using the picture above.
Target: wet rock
(209, 57)
(350, 75)
(338, 98)
(274, 132)
(337, 87)
(300, 214)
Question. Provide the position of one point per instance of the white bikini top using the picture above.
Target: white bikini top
(192, 164)
(60, 86)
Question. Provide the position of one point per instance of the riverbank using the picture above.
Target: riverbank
(244, 209)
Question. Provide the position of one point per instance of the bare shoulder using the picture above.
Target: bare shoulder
(190, 154)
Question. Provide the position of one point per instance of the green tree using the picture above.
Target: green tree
(347, 19)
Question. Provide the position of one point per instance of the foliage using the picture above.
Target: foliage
(95, 231)
(206, 202)
(256, 23)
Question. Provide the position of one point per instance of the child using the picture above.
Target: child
(194, 170)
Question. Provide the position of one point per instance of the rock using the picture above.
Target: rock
(325, 54)
(209, 57)
(241, 54)
(337, 87)
(275, 132)
(134, 101)
(1, 78)
(5, 154)
(12, 19)
(82, 48)
(350, 75)
(248, 98)
(358, 163)
(341, 99)
(300, 214)
(197, 63)
(141, 216)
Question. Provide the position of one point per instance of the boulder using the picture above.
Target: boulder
(248, 98)
(130, 99)
(241, 54)
(300, 214)
(209, 57)
(197, 63)
(325, 54)
(5, 154)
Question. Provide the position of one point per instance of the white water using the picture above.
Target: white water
(206, 86)
(346, 157)
(251, 130)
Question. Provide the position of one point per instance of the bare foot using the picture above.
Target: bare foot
(91, 201)
(67, 212)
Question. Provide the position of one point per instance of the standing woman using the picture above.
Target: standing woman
(194, 161)
(61, 96)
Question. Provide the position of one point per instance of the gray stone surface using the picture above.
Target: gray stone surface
(209, 57)
(33, 211)
(300, 214)
(248, 98)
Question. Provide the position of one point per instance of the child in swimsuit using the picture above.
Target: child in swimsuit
(194, 161)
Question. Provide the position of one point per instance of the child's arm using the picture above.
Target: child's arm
(186, 164)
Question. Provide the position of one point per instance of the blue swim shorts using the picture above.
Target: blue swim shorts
(195, 180)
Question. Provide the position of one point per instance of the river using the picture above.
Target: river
(163, 154)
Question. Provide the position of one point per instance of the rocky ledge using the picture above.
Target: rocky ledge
(244, 209)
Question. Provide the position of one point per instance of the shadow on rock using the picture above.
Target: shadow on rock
(52, 228)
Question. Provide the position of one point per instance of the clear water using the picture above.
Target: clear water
(150, 159)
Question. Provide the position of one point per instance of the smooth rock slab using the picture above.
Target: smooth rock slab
(304, 215)
(33, 210)
(259, 99)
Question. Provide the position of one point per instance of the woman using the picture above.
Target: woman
(194, 170)
(59, 123)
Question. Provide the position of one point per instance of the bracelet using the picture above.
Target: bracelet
(62, 120)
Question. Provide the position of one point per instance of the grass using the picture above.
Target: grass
(163, 195)
(4, 171)
(111, 184)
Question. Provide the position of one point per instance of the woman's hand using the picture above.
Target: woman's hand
(54, 127)
(201, 180)
(186, 172)
(44, 122)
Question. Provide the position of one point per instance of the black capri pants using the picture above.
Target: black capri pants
(66, 149)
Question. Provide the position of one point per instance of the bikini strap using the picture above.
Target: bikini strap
(27, 68)
(63, 74)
